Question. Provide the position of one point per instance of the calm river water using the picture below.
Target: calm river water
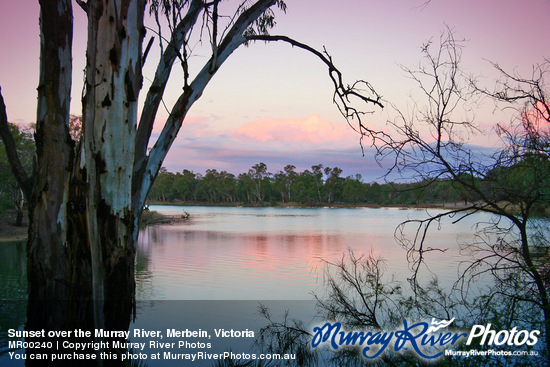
(235, 254)
(277, 253)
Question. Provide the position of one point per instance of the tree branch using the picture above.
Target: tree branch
(162, 74)
(232, 40)
(83, 5)
(342, 92)
(23, 180)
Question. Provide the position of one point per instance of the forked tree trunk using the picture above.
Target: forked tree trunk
(83, 227)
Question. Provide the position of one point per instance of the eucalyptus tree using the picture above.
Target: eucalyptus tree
(353, 189)
(283, 182)
(186, 183)
(245, 188)
(259, 174)
(87, 192)
(289, 171)
(317, 171)
(279, 185)
(333, 183)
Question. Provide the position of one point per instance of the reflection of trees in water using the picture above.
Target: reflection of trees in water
(13, 271)
(363, 297)
(144, 275)
(13, 292)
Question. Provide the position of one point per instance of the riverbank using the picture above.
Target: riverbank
(510, 208)
(9, 232)
(151, 218)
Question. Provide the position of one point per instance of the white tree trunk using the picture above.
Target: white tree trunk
(113, 81)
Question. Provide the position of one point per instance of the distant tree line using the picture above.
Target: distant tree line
(319, 185)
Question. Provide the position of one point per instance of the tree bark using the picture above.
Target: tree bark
(113, 82)
(55, 263)
(81, 246)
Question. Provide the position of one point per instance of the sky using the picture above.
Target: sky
(273, 103)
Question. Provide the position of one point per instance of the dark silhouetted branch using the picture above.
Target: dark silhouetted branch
(343, 93)
(83, 5)
(23, 180)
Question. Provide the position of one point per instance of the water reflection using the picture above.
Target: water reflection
(273, 253)
(249, 254)
(13, 289)
(13, 271)
(261, 253)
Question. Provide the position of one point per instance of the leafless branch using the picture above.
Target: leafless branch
(83, 5)
(343, 93)
(509, 183)
(147, 166)
(358, 294)
(18, 170)
(162, 74)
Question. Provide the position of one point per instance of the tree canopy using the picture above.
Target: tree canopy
(319, 185)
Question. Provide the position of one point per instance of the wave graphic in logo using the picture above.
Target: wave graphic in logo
(439, 325)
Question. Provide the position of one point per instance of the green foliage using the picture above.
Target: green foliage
(318, 186)
(526, 181)
(5, 203)
(266, 21)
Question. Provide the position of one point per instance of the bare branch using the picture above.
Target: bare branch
(509, 183)
(358, 293)
(147, 49)
(156, 91)
(83, 5)
(214, 41)
(343, 94)
(17, 168)
(151, 164)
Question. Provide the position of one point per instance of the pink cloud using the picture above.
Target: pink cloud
(313, 129)
(196, 127)
(302, 142)
(537, 118)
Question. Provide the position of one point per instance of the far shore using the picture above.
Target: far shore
(453, 205)
(11, 233)
(510, 208)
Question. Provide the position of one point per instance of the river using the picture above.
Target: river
(277, 253)
(219, 263)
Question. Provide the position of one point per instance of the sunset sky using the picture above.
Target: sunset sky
(273, 104)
